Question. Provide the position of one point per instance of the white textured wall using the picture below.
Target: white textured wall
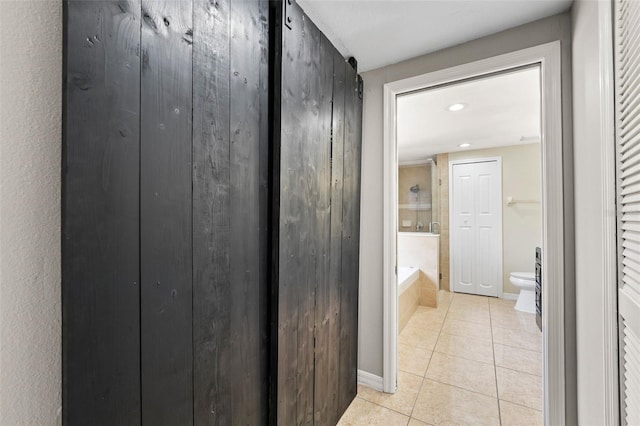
(595, 205)
(30, 141)
(521, 223)
(371, 256)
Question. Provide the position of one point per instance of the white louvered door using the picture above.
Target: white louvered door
(627, 81)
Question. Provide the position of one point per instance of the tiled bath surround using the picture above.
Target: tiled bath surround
(420, 250)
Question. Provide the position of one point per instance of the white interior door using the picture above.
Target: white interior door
(476, 227)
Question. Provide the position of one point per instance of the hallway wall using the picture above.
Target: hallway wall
(539, 32)
(30, 125)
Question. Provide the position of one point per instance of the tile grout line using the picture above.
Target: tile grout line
(518, 371)
(495, 369)
(465, 389)
(424, 377)
(386, 408)
(517, 347)
(520, 405)
(466, 359)
(468, 337)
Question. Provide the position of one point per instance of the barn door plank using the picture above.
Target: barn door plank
(212, 379)
(323, 344)
(337, 165)
(166, 212)
(350, 241)
(248, 61)
(230, 198)
(100, 203)
(297, 227)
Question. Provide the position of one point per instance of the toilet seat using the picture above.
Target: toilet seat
(524, 275)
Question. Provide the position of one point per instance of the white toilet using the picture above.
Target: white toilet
(526, 282)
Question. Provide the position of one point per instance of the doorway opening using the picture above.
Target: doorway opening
(484, 274)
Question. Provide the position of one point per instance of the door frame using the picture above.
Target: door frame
(548, 57)
(452, 163)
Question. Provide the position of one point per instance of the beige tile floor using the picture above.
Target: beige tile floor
(472, 361)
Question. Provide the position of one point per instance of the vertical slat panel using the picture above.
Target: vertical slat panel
(301, 147)
(631, 373)
(322, 390)
(264, 212)
(337, 166)
(278, 299)
(211, 216)
(100, 263)
(292, 240)
(248, 57)
(230, 234)
(350, 242)
(304, 218)
(166, 212)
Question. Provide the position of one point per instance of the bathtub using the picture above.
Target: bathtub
(408, 293)
(407, 275)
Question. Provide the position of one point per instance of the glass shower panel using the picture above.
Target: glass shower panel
(436, 191)
(415, 187)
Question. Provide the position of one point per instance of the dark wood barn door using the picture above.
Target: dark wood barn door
(317, 147)
(211, 194)
(165, 174)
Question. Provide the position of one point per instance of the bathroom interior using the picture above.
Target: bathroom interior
(469, 233)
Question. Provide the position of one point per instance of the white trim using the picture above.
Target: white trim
(609, 198)
(415, 162)
(548, 55)
(510, 296)
(501, 254)
(390, 241)
(370, 380)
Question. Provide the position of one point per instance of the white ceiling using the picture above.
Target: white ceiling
(500, 111)
(383, 32)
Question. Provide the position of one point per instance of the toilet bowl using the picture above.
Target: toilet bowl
(526, 282)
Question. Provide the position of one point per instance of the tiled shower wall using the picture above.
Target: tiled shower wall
(408, 176)
(443, 176)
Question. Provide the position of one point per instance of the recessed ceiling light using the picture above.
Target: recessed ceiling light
(464, 145)
(456, 107)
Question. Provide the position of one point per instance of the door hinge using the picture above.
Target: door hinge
(288, 13)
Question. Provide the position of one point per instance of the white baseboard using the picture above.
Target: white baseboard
(510, 296)
(370, 380)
